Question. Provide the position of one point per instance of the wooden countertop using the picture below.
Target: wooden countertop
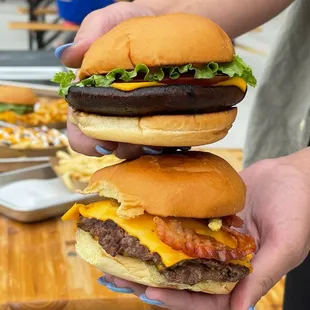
(39, 269)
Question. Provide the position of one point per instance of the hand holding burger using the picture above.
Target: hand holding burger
(93, 27)
(277, 216)
(167, 221)
(143, 91)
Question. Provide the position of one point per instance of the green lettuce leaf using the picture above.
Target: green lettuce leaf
(17, 108)
(236, 68)
(64, 79)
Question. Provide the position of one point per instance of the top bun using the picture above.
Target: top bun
(192, 184)
(17, 95)
(172, 39)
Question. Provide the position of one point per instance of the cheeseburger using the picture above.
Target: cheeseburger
(167, 221)
(19, 100)
(170, 80)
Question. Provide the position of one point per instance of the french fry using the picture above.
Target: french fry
(67, 181)
(76, 169)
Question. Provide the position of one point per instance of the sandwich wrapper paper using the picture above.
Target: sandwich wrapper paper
(29, 195)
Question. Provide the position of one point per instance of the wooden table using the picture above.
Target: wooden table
(39, 269)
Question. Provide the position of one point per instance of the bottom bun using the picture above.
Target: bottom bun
(136, 270)
(161, 130)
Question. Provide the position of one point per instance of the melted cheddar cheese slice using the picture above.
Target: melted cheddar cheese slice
(132, 86)
(143, 228)
(238, 82)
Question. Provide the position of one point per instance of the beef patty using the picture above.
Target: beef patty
(115, 241)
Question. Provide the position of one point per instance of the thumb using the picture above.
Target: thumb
(97, 24)
(272, 262)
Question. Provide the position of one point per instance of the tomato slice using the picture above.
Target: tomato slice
(189, 80)
(193, 81)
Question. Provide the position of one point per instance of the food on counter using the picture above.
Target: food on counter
(47, 111)
(76, 169)
(167, 221)
(32, 138)
(146, 82)
(17, 100)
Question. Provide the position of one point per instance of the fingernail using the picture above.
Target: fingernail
(151, 151)
(59, 50)
(150, 301)
(113, 288)
(252, 308)
(102, 151)
(185, 148)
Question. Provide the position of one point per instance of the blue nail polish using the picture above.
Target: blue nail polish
(103, 151)
(150, 301)
(103, 281)
(113, 288)
(251, 308)
(185, 148)
(59, 50)
(151, 151)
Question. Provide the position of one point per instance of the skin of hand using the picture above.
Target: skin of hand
(277, 215)
(101, 21)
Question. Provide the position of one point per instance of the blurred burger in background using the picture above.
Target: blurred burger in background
(22, 107)
(17, 100)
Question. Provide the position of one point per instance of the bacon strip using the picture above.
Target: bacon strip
(232, 221)
(171, 232)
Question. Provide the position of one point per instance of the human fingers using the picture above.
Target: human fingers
(121, 286)
(132, 151)
(94, 26)
(93, 147)
(274, 259)
(185, 300)
(167, 298)
(87, 146)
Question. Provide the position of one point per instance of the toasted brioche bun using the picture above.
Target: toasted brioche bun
(17, 95)
(136, 270)
(144, 40)
(191, 184)
(161, 130)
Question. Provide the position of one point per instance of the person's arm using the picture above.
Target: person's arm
(235, 17)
